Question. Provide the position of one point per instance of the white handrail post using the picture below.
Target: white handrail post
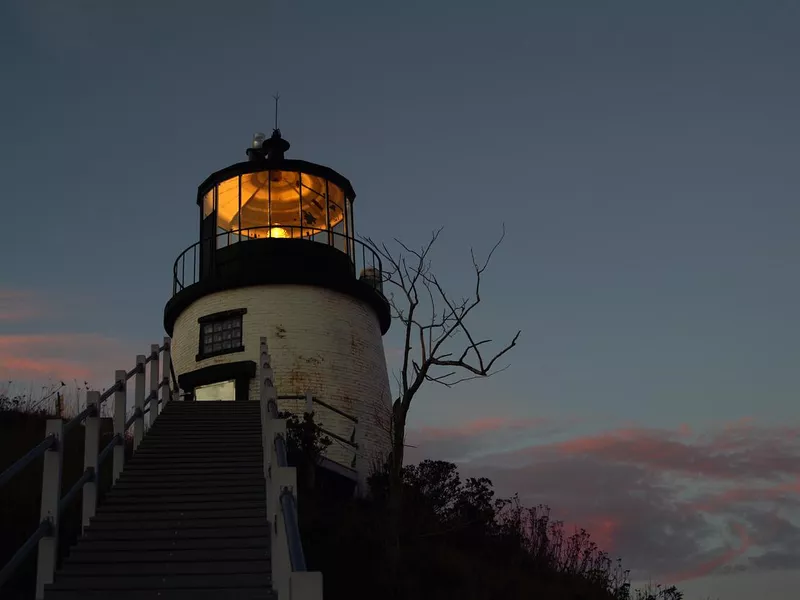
(120, 404)
(282, 478)
(154, 383)
(51, 494)
(266, 393)
(138, 401)
(166, 394)
(90, 452)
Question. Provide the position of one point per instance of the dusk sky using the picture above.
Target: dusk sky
(642, 155)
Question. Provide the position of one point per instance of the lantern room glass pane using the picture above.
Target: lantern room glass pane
(283, 204)
(335, 205)
(228, 204)
(208, 202)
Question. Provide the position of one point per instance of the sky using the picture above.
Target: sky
(641, 155)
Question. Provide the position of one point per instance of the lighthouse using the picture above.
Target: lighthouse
(277, 257)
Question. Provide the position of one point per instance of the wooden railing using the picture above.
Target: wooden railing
(45, 538)
(289, 575)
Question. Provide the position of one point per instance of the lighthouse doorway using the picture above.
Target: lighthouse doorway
(223, 390)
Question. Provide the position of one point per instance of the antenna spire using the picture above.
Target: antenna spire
(277, 97)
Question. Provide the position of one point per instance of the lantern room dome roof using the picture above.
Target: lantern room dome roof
(274, 161)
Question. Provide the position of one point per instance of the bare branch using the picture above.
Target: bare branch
(443, 354)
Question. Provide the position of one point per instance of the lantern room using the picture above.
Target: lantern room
(276, 220)
(271, 197)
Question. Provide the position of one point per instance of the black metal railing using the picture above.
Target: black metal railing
(365, 262)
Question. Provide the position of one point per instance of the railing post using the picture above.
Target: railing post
(51, 494)
(154, 383)
(90, 451)
(120, 404)
(282, 478)
(166, 394)
(266, 393)
(138, 401)
(309, 402)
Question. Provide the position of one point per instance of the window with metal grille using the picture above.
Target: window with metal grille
(221, 333)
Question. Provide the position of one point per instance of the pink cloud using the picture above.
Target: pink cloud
(480, 426)
(708, 567)
(59, 356)
(665, 500)
(734, 451)
(461, 440)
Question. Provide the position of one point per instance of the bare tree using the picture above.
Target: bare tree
(439, 345)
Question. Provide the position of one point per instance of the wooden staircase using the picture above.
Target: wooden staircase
(187, 518)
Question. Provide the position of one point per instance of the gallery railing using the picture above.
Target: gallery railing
(365, 262)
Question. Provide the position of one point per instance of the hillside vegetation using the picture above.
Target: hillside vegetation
(457, 539)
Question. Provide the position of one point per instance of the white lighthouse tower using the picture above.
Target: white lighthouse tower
(277, 257)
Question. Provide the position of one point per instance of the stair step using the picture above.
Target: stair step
(199, 454)
(187, 467)
(66, 581)
(244, 420)
(217, 449)
(191, 503)
(213, 436)
(210, 483)
(219, 545)
(213, 567)
(146, 459)
(210, 445)
(160, 514)
(176, 594)
(78, 556)
(189, 472)
(213, 412)
(177, 524)
(195, 432)
(131, 482)
(180, 534)
(252, 437)
(222, 499)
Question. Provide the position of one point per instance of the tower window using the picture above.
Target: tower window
(221, 333)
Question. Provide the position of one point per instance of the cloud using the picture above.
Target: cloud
(675, 504)
(67, 356)
(470, 438)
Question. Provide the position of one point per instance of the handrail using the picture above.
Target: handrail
(280, 450)
(291, 520)
(52, 504)
(363, 259)
(336, 410)
(22, 462)
(105, 452)
(88, 475)
(78, 419)
(44, 530)
(316, 400)
(339, 438)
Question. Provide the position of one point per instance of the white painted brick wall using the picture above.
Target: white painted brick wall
(320, 341)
